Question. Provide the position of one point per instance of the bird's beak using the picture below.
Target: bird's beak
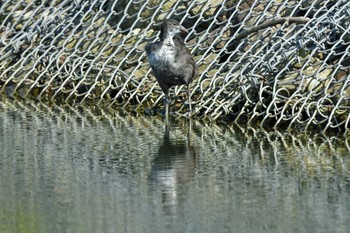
(183, 29)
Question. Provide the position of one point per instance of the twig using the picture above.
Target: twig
(300, 20)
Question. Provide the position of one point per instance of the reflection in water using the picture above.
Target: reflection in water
(173, 168)
(80, 171)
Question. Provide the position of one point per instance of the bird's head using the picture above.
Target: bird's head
(171, 27)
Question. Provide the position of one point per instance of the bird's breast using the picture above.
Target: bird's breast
(163, 55)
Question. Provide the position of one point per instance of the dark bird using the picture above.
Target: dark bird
(171, 61)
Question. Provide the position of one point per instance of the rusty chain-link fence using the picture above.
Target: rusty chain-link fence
(271, 63)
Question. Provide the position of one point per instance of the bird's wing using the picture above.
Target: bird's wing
(186, 61)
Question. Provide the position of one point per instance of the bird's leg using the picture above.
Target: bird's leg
(167, 102)
(189, 99)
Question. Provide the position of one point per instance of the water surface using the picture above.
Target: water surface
(75, 171)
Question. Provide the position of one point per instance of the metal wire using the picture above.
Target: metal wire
(271, 63)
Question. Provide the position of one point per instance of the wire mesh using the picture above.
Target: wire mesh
(271, 63)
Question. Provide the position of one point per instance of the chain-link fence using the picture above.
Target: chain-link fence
(272, 63)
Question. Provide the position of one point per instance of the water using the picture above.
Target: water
(73, 171)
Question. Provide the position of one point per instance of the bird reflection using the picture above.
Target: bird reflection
(173, 168)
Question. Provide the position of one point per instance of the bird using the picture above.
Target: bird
(171, 61)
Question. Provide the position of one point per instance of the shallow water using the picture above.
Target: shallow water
(74, 171)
